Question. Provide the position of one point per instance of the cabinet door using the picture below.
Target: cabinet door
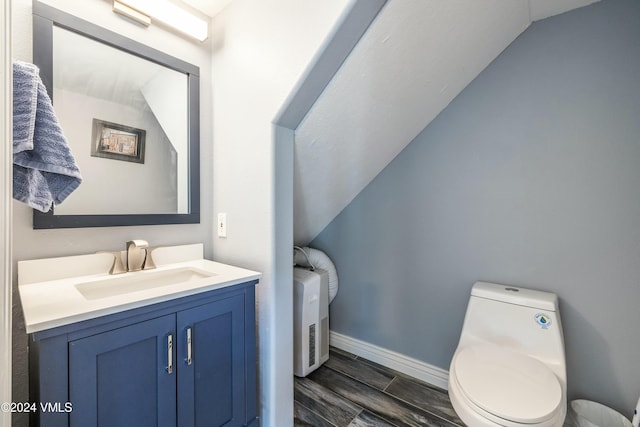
(121, 377)
(211, 383)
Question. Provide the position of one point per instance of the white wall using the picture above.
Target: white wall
(165, 86)
(260, 51)
(31, 244)
(407, 68)
(116, 186)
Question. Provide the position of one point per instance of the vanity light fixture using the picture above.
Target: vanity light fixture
(166, 12)
(131, 13)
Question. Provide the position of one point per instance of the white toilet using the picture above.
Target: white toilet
(509, 367)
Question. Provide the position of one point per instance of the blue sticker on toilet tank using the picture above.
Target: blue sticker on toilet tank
(543, 320)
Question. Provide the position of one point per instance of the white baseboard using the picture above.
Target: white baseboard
(396, 361)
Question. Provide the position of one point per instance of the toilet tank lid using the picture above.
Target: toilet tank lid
(515, 295)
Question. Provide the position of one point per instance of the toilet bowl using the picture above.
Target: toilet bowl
(509, 367)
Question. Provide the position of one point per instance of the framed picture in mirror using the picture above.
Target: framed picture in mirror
(117, 142)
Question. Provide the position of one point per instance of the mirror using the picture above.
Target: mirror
(130, 114)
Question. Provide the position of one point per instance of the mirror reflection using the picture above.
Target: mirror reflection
(126, 121)
(131, 114)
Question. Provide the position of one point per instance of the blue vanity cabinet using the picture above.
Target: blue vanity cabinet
(120, 377)
(186, 362)
(210, 381)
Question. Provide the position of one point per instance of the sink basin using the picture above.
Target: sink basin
(138, 281)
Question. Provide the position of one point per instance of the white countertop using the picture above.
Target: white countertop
(50, 297)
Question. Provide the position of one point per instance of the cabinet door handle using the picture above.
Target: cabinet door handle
(170, 354)
(188, 346)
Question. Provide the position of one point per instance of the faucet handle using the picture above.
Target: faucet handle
(117, 267)
(148, 261)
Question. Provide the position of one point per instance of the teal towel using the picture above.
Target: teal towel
(44, 171)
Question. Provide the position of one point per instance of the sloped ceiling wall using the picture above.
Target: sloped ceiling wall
(413, 61)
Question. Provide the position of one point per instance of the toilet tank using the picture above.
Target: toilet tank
(523, 320)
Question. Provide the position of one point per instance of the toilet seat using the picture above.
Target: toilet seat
(507, 385)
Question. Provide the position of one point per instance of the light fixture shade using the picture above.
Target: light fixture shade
(131, 13)
(172, 15)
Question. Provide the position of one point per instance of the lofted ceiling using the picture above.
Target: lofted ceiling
(416, 57)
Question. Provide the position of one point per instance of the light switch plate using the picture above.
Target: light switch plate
(222, 224)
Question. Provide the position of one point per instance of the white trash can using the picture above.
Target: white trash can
(585, 413)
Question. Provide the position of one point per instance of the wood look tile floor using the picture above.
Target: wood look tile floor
(349, 391)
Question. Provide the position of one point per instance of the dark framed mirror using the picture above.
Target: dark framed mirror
(107, 88)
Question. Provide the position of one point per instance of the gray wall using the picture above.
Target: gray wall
(530, 177)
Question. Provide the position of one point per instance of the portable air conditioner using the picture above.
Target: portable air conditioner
(310, 320)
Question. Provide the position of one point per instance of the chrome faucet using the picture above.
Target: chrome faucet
(136, 254)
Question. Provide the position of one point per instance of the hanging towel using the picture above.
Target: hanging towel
(44, 171)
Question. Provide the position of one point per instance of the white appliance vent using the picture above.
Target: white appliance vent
(312, 345)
